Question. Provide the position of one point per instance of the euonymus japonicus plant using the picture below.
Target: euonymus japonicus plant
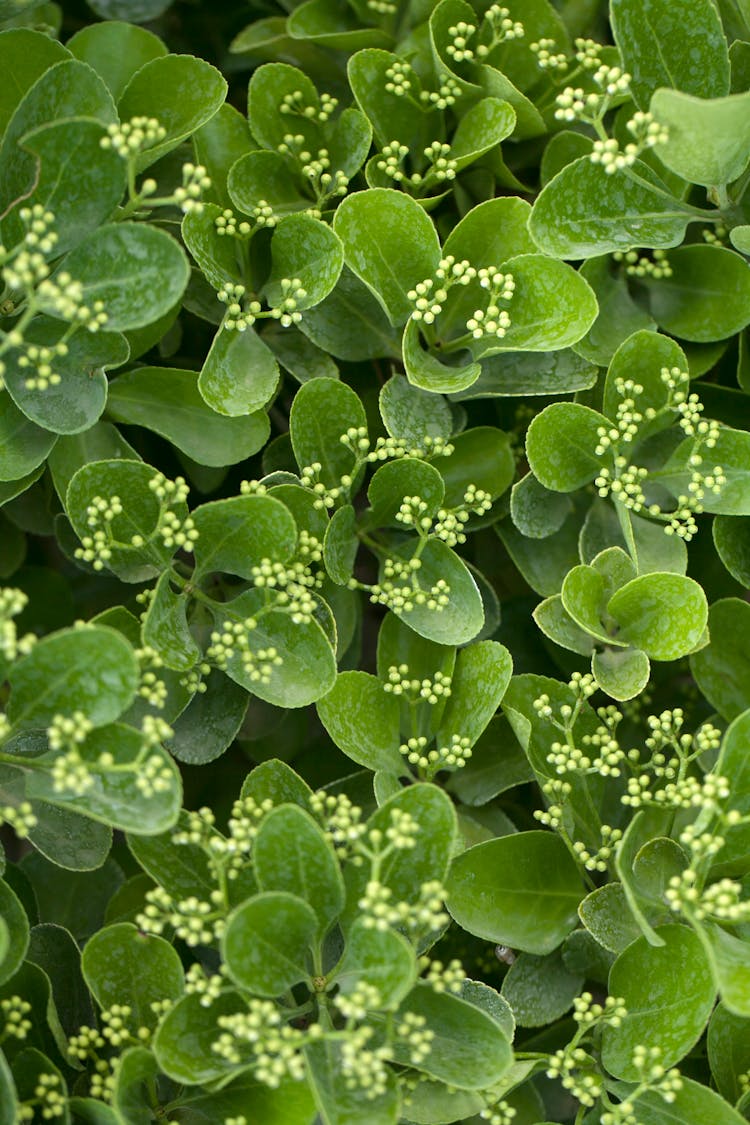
(374, 545)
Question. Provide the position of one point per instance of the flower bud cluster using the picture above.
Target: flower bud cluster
(492, 321)
(14, 1011)
(206, 986)
(400, 591)
(49, 1100)
(443, 977)
(637, 265)
(647, 1061)
(722, 900)
(429, 763)
(599, 859)
(355, 1005)
(578, 1073)
(433, 691)
(232, 641)
(416, 1036)
(429, 296)
(259, 1037)
(547, 58)
(13, 602)
(341, 821)
(502, 28)
(380, 912)
(128, 138)
(21, 818)
(194, 920)
(295, 102)
(445, 97)
(195, 180)
(399, 79)
(291, 584)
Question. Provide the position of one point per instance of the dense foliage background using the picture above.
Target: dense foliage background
(375, 542)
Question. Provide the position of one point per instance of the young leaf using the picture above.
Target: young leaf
(292, 855)
(708, 139)
(370, 221)
(664, 614)
(560, 444)
(267, 943)
(235, 535)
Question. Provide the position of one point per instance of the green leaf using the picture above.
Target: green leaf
(535, 511)
(740, 239)
(606, 915)
(664, 614)
(55, 951)
(182, 869)
(730, 962)
(522, 891)
(77, 401)
(23, 445)
(167, 401)
(480, 677)
(121, 961)
(340, 545)
(560, 444)
(469, 1049)
(165, 627)
(389, 243)
(79, 204)
(584, 212)
(412, 414)
(181, 91)
(291, 854)
(114, 796)
(584, 597)
(235, 535)
(382, 959)
(732, 542)
(693, 1104)
(307, 248)
(139, 272)
(218, 256)
(240, 374)
(76, 900)
(129, 480)
(647, 352)
(116, 50)
(619, 315)
(669, 993)
(728, 1042)
(621, 674)
(340, 1104)
(183, 1041)
(709, 139)
(350, 323)
(265, 94)
(426, 371)
(322, 411)
(299, 356)
(16, 922)
(706, 297)
(139, 11)
(532, 373)
(481, 456)
(308, 664)
(67, 89)
(405, 871)
(90, 669)
(677, 43)
(24, 56)
(267, 943)
(210, 722)
(459, 621)
(394, 481)
(363, 720)
(540, 989)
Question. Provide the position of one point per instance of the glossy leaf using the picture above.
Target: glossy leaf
(267, 942)
(521, 891)
(120, 961)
